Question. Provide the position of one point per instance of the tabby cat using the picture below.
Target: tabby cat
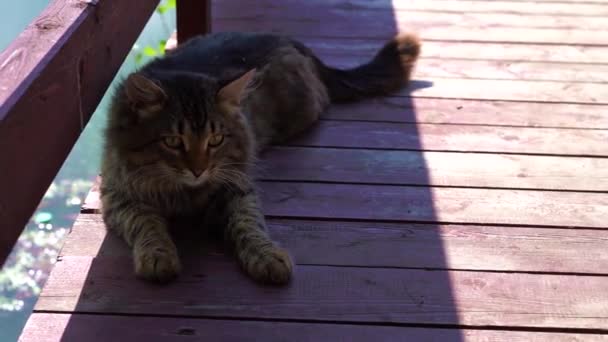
(183, 133)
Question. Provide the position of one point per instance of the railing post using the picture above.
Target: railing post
(193, 18)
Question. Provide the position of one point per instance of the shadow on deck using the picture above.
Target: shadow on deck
(479, 245)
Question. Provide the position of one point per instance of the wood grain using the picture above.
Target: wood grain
(382, 244)
(302, 14)
(455, 205)
(458, 6)
(510, 90)
(492, 70)
(51, 84)
(107, 285)
(568, 54)
(434, 169)
(429, 137)
(471, 112)
(49, 327)
(476, 34)
(380, 18)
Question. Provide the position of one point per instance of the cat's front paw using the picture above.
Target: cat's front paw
(158, 264)
(270, 265)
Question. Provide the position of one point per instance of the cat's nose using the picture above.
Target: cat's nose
(197, 172)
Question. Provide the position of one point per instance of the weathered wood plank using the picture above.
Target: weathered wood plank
(562, 1)
(564, 54)
(380, 244)
(360, 49)
(276, 16)
(434, 169)
(397, 6)
(462, 138)
(568, 54)
(48, 327)
(499, 70)
(492, 70)
(455, 205)
(51, 84)
(510, 90)
(107, 285)
(421, 204)
(91, 203)
(301, 15)
(471, 112)
(476, 34)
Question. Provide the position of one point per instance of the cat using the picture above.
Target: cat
(184, 131)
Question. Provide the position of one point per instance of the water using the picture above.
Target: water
(27, 268)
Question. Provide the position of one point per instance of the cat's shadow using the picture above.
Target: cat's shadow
(414, 85)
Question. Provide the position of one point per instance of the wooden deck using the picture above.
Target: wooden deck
(471, 207)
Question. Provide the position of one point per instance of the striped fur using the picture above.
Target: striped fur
(183, 134)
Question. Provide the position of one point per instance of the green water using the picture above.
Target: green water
(31, 260)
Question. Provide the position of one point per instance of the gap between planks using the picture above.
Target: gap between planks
(367, 295)
(55, 327)
(456, 138)
(377, 7)
(362, 166)
(391, 245)
(472, 112)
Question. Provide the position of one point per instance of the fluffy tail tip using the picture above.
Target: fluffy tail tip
(408, 45)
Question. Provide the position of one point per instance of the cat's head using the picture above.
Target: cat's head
(183, 128)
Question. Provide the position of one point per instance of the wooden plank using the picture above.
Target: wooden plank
(510, 90)
(434, 169)
(457, 138)
(569, 54)
(300, 20)
(471, 112)
(92, 197)
(49, 327)
(193, 18)
(454, 205)
(301, 14)
(340, 294)
(458, 6)
(51, 84)
(382, 244)
(563, 1)
(326, 19)
(443, 205)
(492, 70)
(474, 34)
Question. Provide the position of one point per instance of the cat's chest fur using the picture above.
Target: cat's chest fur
(188, 202)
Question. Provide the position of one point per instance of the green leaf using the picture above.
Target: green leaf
(149, 51)
(161, 46)
(170, 4)
(161, 9)
(138, 57)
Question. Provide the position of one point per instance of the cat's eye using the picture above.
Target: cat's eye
(215, 140)
(173, 142)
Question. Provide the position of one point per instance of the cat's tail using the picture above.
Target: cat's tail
(387, 72)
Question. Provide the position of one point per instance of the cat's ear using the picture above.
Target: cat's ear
(232, 93)
(144, 95)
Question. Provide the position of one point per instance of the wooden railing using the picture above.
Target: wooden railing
(52, 77)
